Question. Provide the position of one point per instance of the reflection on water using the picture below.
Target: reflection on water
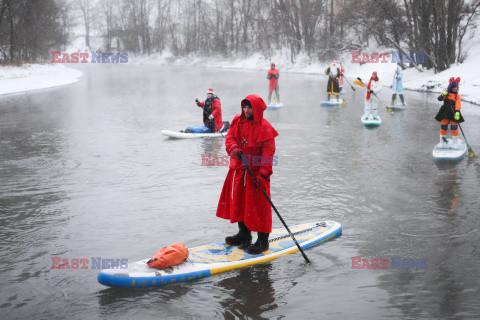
(251, 293)
(449, 190)
(118, 301)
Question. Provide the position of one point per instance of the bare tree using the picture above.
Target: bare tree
(320, 28)
(84, 6)
(29, 29)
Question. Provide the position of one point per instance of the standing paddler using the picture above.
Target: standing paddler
(333, 73)
(272, 76)
(397, 86)
(241, 201)
(449, 113)
(371, 100)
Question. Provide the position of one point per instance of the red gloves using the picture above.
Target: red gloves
(236, 153)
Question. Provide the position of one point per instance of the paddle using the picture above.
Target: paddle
(211, 120)
(276, 211)
(471, 154)
(360, 83)
(344, 78)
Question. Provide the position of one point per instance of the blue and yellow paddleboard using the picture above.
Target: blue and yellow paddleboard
(219, 257)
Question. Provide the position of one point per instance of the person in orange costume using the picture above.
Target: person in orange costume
(450, 113)
(253, 137)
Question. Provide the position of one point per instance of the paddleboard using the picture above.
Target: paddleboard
(189, 135)
(399, 106)
(369, 121)
(219, 257)
(275, 106)
(332, 102)
(448, 153)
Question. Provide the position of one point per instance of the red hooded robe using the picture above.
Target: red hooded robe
(240, 201)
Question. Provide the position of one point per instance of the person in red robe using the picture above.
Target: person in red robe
(212, 115)
(241, 201)
(272, 76)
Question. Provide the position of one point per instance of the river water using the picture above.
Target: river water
(85, 172)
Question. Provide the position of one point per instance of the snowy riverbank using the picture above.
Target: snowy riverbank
(413, 79)
(35, 76)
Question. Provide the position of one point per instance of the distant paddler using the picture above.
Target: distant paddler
(212, 111)
(272, 76)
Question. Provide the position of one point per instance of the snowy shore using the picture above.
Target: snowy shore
(41, 76)
(35, 76)
(413, 79)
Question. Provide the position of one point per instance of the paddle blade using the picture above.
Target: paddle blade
(471, 154)
(358, 83)
(389, 110)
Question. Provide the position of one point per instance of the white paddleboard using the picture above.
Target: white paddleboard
(189, 135)
(332, 103)
(219, 257)
(273, 106)
(370, 121)
(448, 153)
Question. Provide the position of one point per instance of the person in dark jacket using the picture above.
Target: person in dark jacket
(212, 114)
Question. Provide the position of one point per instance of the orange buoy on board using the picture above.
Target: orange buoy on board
(169, 256)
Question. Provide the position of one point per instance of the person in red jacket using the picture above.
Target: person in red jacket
(212, 115)
(340, 82)
(272, 76)
(450, 113)
(241, 201)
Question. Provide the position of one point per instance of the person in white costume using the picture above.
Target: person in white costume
(371, 101)
(397, 86)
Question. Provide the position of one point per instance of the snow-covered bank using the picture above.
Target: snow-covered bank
(427, 80)
(35, 76)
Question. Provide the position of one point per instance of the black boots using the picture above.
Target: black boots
(242, 239)
(261, 245)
